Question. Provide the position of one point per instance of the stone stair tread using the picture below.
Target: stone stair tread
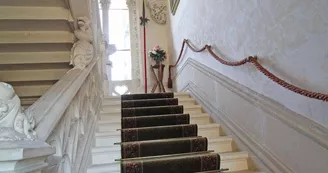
(118, 111)
(209, 172)
(110, 133)
(175, 94)
(211, 125)
(118, 148)
(110, 138)
(115, 166)
(114, 121)
(104, 167)
(234, 155)
(118, 102)
(115, 132)
(247, 171)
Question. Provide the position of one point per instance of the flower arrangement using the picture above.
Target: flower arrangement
(157, 54)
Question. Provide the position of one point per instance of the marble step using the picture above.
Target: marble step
(179, 95)
(117, 118)
(215, 172)
(117, 111)
(33, 13)
(20, 37)
(234, 161)
(108, 154)
(32, 75)
(114, 124)
(115, 103)
(109, 137)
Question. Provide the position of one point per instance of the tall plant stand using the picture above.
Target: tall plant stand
(158, 77)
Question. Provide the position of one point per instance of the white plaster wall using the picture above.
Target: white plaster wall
(276, 137)
(156, 35)
(289, 36)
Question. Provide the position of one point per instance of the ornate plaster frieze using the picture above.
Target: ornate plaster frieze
(14, 124)
(158, 11)
(82, 51)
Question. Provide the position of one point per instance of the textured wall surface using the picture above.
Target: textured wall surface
(156, 35)
(289, 36)
(278, 139)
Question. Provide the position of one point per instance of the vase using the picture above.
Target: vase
(158, 62)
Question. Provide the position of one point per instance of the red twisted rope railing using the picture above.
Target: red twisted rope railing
(259, 67)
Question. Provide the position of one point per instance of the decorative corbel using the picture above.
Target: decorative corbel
(158, 11)
(82, 50)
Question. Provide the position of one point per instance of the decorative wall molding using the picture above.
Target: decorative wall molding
(82, 50)
(264, 158)
(302, 125)
(158, 11)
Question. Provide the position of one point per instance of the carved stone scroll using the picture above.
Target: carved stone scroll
(14, 124)
(82, 51)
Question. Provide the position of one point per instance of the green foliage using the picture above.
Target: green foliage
(158, 54)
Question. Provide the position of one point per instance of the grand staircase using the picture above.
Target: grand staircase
(156, 133)
(35, 41)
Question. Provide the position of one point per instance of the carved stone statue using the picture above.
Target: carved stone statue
(14, 124)
(82, 51)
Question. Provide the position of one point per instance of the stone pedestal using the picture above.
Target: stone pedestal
(24, 156)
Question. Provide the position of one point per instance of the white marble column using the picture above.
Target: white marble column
(105, 4)
(105, 7)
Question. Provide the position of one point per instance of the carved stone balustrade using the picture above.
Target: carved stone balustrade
(54, 135)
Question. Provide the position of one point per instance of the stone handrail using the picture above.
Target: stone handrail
(69, 123)
(49, 109)
(55, 133)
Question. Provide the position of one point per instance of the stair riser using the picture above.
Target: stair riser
(106, 142)
(232, 165)
(109, 127)
(117, 124)
(235, 165)
(117, 111)
(209, 132)
(117, 118)
(109, 157)
(220, 147)
(200, 121)
(114, 104)
(118, 99)
(103, 141)
(105, 169)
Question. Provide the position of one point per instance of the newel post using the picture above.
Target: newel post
(20, 149)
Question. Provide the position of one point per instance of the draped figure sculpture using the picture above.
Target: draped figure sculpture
(82, 50)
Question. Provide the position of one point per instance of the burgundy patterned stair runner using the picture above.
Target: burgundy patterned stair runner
(155, 120)
(155, 110)
(149, 102)
(157, 137)
(146, 96)
(163, 147)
